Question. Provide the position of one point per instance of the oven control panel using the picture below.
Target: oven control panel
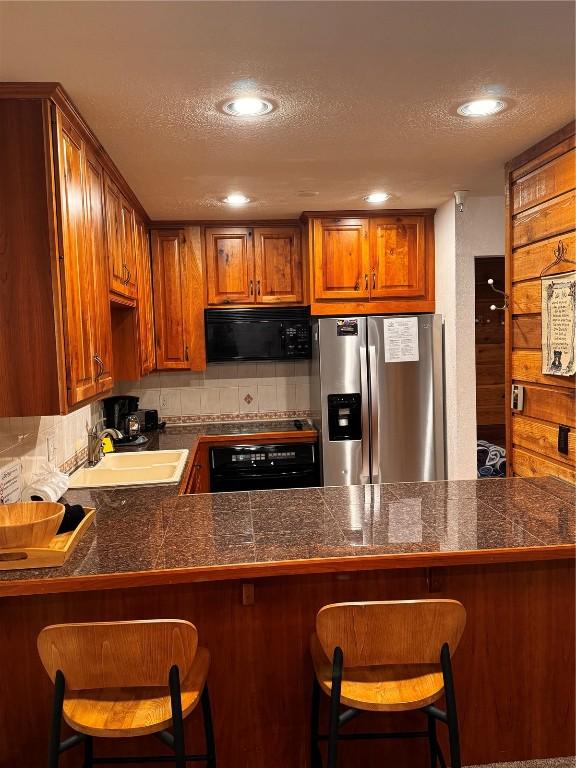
(296, 339)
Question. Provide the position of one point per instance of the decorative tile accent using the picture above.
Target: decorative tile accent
(248, 399)
(237, 417)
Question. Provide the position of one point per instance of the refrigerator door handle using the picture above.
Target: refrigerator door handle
(365, 478)
(372, 358)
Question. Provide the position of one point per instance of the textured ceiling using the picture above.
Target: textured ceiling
(366, 94)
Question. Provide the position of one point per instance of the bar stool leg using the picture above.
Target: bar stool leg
(54, 749)
(177, 723)
(337, 664)
(88, 752)
(451, 711)
(208, 728)
(315, 756)
(432, 742)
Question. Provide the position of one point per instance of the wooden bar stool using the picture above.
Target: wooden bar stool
(126, 678)
(386, 657)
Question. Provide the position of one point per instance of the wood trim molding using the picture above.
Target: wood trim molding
(373, 213)
(58, 95)
(70, 584)
(542, 146)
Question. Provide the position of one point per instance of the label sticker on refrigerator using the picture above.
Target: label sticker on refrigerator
(347, 327)
(401, 340)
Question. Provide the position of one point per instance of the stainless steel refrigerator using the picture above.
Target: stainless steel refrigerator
(377, 398)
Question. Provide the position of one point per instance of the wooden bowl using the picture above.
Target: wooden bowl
(29, 524)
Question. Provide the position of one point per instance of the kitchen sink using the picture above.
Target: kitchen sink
(144, 468)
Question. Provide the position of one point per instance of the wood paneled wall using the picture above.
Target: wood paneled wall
(540, 211)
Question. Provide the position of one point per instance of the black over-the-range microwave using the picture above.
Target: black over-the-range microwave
(258, 334)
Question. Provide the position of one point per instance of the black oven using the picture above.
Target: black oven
(258, 334)
(263, 467)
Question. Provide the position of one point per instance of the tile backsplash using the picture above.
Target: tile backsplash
(30, 439)
(225, 389)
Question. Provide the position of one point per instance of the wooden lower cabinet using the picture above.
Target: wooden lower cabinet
(178, 305)
(372, 264)
(513, 669)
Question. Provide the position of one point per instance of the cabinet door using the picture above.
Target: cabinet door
(278, 265)
(172, 309)
(341, 259)
(145, 305)
(79, 312)
(398, 257)
(113, 208)
(230, 265)
(101, 328)
(130, 267)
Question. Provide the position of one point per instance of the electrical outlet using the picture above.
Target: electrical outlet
(51, 448)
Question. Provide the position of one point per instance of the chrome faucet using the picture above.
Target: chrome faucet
(95, 452)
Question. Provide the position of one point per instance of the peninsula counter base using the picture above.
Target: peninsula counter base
(514, 669)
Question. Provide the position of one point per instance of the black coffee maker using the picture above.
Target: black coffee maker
(120, 413)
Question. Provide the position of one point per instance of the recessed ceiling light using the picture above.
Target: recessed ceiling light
(236, 199)
(377, 197)
(247, 106)
(481, 107)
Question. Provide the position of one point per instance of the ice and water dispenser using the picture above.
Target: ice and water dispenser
(345, 417)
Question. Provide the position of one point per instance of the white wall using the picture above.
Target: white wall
(460, 238)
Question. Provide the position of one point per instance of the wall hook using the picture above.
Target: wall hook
(497, 290)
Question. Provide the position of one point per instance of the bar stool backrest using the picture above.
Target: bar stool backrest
(394, 632)
(118, 654)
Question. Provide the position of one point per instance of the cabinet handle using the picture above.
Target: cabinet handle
(258, 287)
(186, 355)
(373, 279)
(128, 275)
(251, 287)
(357, 285)
(366, 281)
(124, 271)
(100, 362)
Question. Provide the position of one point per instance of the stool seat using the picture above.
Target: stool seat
(382, 688)
(121, 712)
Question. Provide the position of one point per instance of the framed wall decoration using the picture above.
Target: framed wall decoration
(559, 324)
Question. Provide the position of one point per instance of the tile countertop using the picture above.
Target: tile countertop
(150, 535)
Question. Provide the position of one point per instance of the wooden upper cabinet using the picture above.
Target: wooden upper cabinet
(87, 332)
(278, 265)
(145, 303)
(120, 240)
(101, 328)
(129, 249)
(398, 256)
(172, 308)
(229, 265)
(341, 262)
